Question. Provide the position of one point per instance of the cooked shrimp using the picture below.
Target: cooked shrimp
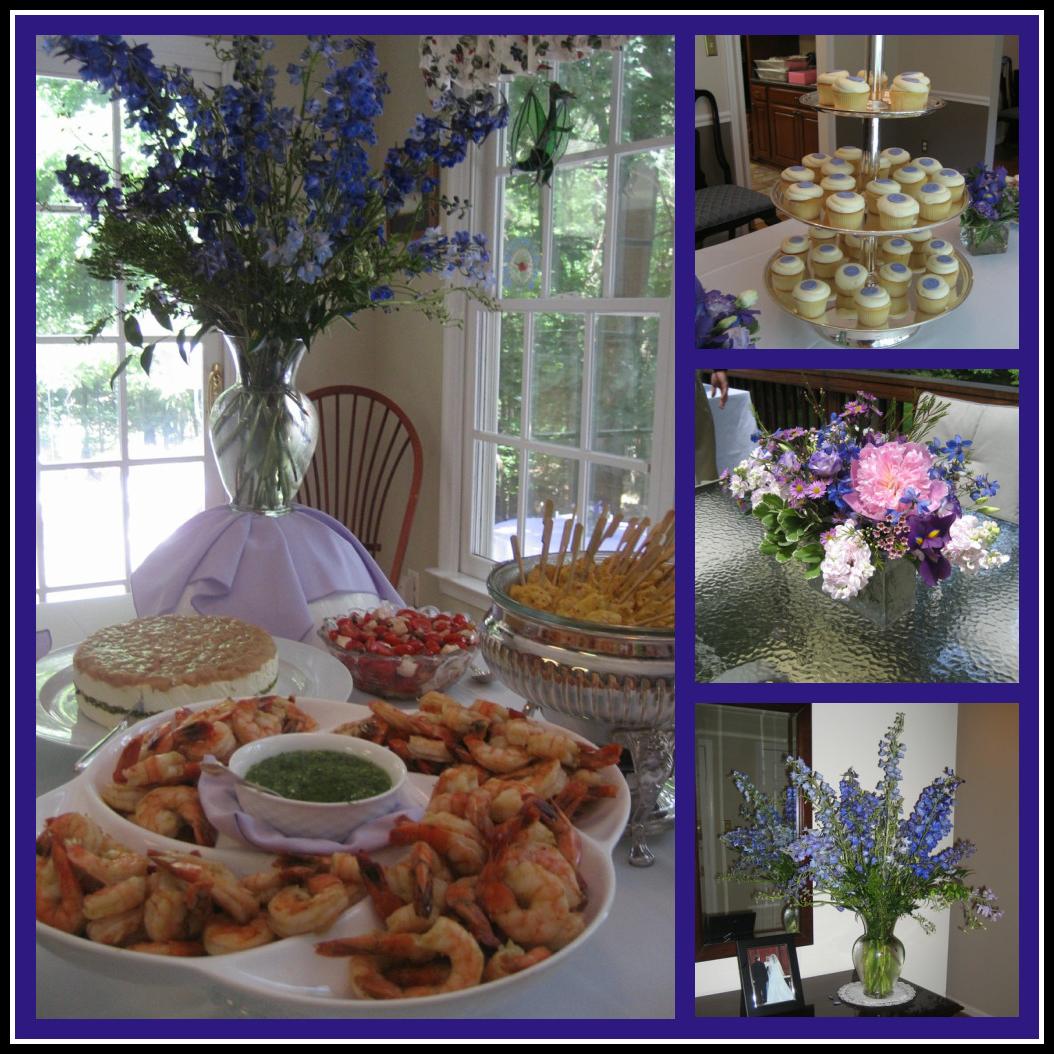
(117, 929)
(495, 711)
(421, 724)
(547, 778)
(454, 838)
(169, 810)
(222, 935)
(510, 959)
(106, 867)
(60, 902)
(197, 737)
(165, 910)
(446, 939)
(293, 718)
(461, 898)
(160, 770)
(249, 722)
(431, 750)
(300, 909)
(74, 828)
(117, 899)
(213, 878)
(453, 715)
(542, 742)
(496, 754)
(459, 778)
(121, 797)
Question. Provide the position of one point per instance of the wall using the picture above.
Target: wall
(987, 814)
(397, 354)
(711, 73)
(847, 735)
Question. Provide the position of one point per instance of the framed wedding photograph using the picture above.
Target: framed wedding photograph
(768, 975)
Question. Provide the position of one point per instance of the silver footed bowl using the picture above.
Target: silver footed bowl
(617, 675)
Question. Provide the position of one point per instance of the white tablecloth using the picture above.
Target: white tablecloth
(988, 319)
(625, 970)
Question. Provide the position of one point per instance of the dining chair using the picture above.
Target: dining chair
(368, 453)
(725, 206)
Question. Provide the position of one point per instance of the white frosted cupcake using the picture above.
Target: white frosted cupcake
(920, 243)
(837, 166)
(883, 78)
(946, 265)
(824, 260)
(894, 250)
(839, 182)
(935, 202)
(825, 83)
(803, 200)
(814, 163)
(853, 246)
(897, 212)
(909, 93)
(872, 306)
(895, 278)
(851, 154)
(820, 236)
(878, 189)
(851, 93)
(795, 174)
(931, 294)
(910, 177)
(848, 278)
(917, 75)
(898, 157)
(938, 247)
(810, 297)
(930, 165)
(845, 209)
(794, 245)
(787, 272)
(954, 181)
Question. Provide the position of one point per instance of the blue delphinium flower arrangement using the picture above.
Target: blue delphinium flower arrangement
(994, 204)
(863, 855)
(724, 321)
(265, 221)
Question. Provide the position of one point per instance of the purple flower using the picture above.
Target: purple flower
(927, 535)
(826, 463)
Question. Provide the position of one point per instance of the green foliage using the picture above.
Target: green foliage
(790, 534)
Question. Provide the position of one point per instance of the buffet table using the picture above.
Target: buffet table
(988, 320)
(600, 980)
(760, 621)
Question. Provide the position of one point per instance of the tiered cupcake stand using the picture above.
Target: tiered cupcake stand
(838, 325)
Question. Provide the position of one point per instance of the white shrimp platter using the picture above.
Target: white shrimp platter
(288, 976)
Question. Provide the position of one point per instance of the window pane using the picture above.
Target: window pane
(556, 378)
(77, 417)
(626, 349)
(548, 478)
(590, 82)
(510, 375)
(160, 498)
(165, 409)
(497, 494)
(521, 238)
(83, 525)
(515, 93)
(68, 299)
(647, 88)
(622, 490)
(579, 210)
(73, 117)
(644, 235)
(61, 595)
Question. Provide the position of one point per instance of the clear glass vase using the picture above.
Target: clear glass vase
(985, 239)
(263, 430)
(878, 958)
(791, 918)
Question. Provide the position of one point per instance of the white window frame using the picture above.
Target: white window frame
(196, 55)
(461, 572)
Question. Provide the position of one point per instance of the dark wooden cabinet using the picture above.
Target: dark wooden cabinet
(759, 131)
(782, 131)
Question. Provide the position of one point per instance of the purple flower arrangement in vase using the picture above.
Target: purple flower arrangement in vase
(984, 225)
(268, 223)
(862, 854)
(848, 501)
(725, 321)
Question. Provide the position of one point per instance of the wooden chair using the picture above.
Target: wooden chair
(726, 206)
(366, 443)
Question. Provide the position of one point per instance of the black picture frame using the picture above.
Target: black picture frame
(755, 956)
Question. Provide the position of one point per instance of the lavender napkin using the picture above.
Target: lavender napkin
(264, 569)
(216, 792)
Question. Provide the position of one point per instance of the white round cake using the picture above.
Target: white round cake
(168, 661)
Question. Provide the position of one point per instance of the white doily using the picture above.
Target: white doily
(853, 993)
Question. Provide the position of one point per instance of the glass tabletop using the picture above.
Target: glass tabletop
(758, 620)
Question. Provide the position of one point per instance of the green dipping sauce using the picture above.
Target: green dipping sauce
(320, 775)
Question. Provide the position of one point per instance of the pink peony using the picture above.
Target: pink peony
(882, 474)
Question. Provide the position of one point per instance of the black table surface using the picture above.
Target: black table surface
(819, 1002)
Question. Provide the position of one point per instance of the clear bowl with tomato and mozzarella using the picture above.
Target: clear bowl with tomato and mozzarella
(401, 653)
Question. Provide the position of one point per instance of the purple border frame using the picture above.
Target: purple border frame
(25, 1023)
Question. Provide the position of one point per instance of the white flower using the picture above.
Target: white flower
(748, 298)
(767, 486)
(846, 563)
(738, 486)
(970, 542)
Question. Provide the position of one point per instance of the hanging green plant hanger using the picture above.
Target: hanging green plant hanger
(541, 133)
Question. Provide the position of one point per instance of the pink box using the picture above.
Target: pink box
(802, 76)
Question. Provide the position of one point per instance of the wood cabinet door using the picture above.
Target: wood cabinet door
(786, 135)
(810, 132)
(760, 146)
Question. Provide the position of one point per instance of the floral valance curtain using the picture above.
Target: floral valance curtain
(472, 63)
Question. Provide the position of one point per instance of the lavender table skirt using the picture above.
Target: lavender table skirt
(264, 569)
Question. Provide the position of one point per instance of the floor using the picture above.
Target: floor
(763, 177)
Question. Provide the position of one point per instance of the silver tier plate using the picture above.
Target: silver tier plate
(875, 107)
(853, 994)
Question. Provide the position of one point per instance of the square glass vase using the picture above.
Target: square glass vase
(888, 596)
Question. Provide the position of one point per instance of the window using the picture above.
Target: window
(566, 392)
(118, 467)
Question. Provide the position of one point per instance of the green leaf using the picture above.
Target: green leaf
(813, 572)
(772, 501)
(181, 344)
(782, 556)
(769, 521)
(132, 333)
(147, 357)
(793, 536)
(813, 552)
(769, 548)
(120, 369)
(164, 320)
